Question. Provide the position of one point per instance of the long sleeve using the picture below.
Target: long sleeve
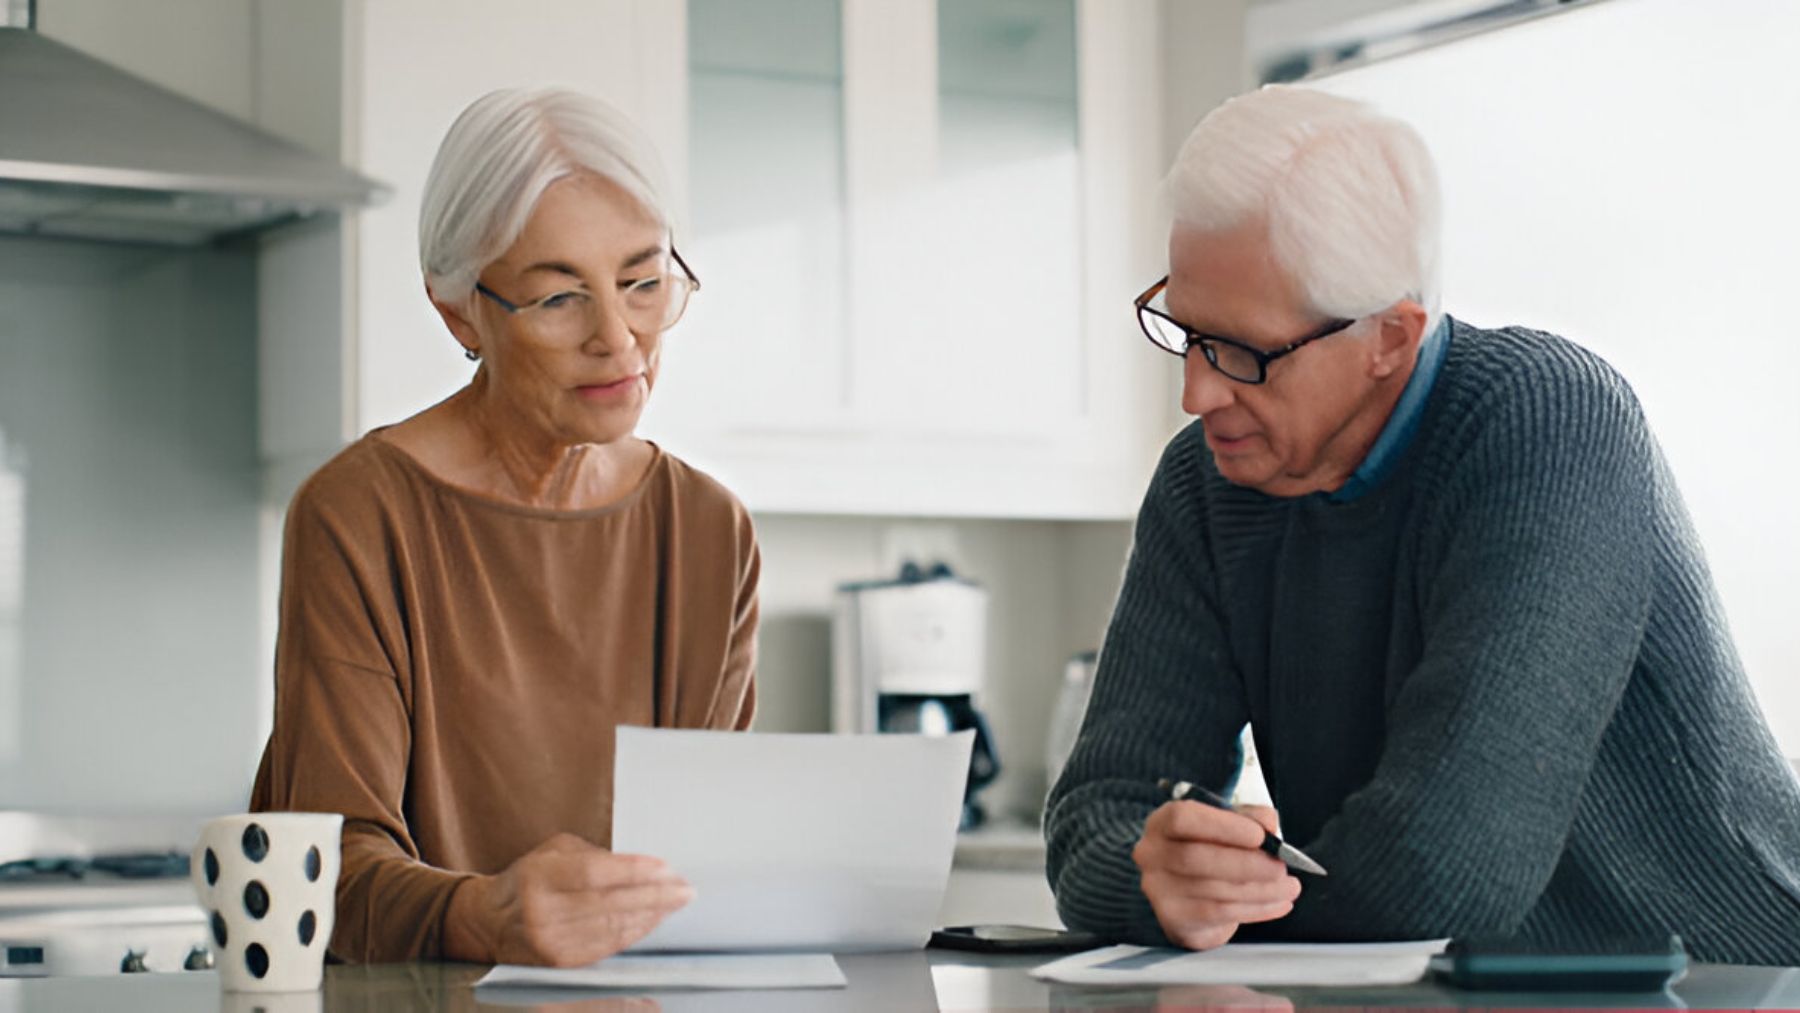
(342, 739)
(451, 669)
(735, 706)
(1166, 702)
(1535, 577)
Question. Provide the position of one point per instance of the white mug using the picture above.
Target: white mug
(268, 882)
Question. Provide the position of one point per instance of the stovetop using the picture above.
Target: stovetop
(125, 865)
(97, 895)
(124, 881)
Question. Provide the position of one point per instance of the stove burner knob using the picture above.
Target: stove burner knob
(133, 963)
(198, 959)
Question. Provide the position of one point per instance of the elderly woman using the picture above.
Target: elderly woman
(474, 599)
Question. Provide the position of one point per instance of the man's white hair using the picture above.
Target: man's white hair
(497, 160)
(1350, 195)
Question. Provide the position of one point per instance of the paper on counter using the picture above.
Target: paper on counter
(793, 842)
(1248, 964)
(704, 970)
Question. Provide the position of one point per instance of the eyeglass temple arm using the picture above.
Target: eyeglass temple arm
(676, 254)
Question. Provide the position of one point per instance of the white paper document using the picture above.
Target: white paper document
(701, 970)
(793, 842)
(1248, 964)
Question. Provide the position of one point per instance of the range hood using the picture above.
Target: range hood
(89, 151)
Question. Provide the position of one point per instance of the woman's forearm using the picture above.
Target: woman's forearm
(468, 936)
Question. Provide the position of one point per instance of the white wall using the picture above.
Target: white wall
(1624, 174)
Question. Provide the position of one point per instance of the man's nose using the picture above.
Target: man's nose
(1203, 388)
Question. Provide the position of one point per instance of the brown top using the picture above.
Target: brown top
(451, 667)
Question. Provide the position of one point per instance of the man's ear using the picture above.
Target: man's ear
(1400, 328)
(456, 318)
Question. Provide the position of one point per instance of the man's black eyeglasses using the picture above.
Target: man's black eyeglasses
(1230, 357)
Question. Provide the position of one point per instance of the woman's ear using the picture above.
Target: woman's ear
(1399, 330)
(456, 318)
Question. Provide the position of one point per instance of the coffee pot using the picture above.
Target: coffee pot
(908, 655)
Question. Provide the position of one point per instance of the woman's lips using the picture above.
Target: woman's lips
(611, 390)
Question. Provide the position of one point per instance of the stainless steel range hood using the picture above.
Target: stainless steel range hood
(89, 151)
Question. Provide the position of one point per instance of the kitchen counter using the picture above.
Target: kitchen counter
(930, 980)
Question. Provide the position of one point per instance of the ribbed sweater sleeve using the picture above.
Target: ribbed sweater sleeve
(1166, 703)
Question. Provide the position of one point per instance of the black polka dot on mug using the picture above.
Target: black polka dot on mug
(218, 929)
(309, 924)
(256, 899)
(212, 868)
(257, 960)
(313, 865)
(256, 842)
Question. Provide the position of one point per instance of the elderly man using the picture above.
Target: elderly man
(1444, 575)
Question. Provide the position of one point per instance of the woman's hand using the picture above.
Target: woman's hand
(1204, 872)
(564, 904)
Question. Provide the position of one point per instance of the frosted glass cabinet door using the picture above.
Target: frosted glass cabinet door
(902, 240)
(885, 205)
(967, 281)
(762, 346)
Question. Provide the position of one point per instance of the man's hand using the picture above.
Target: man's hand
(1205, 874)
(564, 904)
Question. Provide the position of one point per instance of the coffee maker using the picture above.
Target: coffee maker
(908, 654)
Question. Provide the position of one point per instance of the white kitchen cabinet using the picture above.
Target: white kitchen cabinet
(921, 307)
(412, 66)
(920, 226)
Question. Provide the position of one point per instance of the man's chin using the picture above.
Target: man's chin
(1248, 470)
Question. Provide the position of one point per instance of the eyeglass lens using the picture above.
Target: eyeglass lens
(651, 306)
(1237, 363)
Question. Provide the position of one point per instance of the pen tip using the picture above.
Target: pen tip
(1299, 860)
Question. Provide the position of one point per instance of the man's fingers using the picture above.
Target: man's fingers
(1206, 913)
(1272, 891)
(1264, 816)
(1197, 894)
(1205, 860)
(1196, 821)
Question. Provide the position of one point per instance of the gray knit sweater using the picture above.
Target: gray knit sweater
(1496, 693)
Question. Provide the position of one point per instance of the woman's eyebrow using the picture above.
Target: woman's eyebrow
(563, 267)
(558, 266)
(645, 254)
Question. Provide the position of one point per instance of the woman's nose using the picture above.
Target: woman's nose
(611, 331)
(1203, 388)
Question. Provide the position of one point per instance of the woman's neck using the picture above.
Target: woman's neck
(470, 441)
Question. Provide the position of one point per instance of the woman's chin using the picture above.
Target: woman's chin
(617, 426)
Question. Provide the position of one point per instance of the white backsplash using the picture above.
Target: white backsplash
(130, 670)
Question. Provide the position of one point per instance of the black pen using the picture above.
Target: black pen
(1294, 857)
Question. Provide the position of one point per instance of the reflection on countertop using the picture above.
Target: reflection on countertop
(912, 981)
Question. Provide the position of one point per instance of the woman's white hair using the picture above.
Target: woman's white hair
(500, 156)
(1350, 195)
